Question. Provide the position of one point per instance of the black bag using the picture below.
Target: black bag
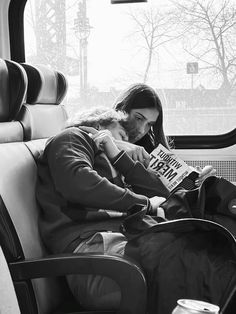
(186, 257)
(214, 200)
(191, 255)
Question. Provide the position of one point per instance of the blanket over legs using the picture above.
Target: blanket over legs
(185, 258)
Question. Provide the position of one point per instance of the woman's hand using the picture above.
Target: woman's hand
(103, 140)
(155, 202)
(137, 153)
(207, 171)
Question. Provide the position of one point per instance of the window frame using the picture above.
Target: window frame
(17, 49)
(16, 30)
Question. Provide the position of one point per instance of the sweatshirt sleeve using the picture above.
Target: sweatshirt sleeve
(70, 157)
(142, 180)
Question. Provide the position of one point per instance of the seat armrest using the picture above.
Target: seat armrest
(124, 271)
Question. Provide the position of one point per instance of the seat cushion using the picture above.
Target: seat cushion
(11, 132)
(42, 121)
(8, 300)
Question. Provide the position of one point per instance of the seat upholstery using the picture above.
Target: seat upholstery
(8, 300)
(19, 207)
(43, 115)
(12, 97)
(21, 242)
(38, 277)
(11, 132)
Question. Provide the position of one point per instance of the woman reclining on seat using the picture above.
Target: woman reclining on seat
(84, 199)
(84, 191)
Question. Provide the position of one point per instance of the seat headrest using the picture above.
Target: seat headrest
(45, 85)
(42, 121)
(43, 115)
(13, 88)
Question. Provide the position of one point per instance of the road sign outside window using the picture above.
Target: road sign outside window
(192, 67)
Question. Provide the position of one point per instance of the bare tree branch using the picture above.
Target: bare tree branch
(155, 30)
(213, 24)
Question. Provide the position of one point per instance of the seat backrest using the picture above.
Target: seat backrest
(13, 88)
(27, 111)
(43, 115)
(8, 299)
(30, 108)
(19, 234)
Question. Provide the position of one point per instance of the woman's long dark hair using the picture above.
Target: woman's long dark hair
(140, 96)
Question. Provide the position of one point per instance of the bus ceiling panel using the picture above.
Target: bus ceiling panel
(16, 30)
(4, 30)
(127, 1)
(205, 141)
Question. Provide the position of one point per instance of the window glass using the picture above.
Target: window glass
(184, 49)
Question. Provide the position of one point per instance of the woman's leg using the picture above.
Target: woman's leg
(98, 292)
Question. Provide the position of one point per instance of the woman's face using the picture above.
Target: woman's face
(143, 120)
(117, 131)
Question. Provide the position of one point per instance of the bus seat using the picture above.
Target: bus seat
(12, 96)
(38, 277)
(43, 115)
(8, 299)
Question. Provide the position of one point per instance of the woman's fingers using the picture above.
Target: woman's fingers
(141, 155)
(95, 133)
(89, 129)
(156, 201)
(138, 153)
(207, 171)
(197, 168)
(145, 157)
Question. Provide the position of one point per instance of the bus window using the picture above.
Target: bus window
(184, 49)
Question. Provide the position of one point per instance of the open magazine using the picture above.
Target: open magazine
(172, 170)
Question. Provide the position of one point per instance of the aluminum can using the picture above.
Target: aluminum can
(188, 306)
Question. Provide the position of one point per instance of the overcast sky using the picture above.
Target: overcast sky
(115, 56)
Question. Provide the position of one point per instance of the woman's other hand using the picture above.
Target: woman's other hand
(156, 210)
(137, 153)
(205, 172)
(103, 140)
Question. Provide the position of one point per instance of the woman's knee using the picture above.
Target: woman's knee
(95, 292)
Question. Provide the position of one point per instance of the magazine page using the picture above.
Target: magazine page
(170, 168)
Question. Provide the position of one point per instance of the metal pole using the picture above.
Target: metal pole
(192, 90)
(85, 66)
(81, 66)
(85, 50)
